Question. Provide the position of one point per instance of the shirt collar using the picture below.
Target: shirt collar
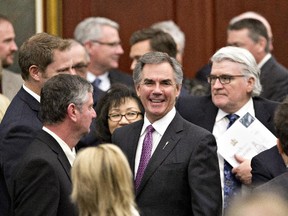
(91, 77)
(33, 94)
(160, 125)
(70, 153)
(264, 60)
(248, 107)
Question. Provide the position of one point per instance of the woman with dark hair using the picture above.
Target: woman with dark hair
(118, 107)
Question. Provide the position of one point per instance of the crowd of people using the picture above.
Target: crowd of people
(80, 137)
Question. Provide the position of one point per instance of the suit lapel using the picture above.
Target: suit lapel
(262, 114)
(55, 147)
(167, 143)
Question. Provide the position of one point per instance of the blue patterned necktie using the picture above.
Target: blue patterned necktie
(231, 184)
(96, 82)
(145, 155)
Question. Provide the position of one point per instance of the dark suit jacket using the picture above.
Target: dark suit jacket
(182, 178)
(266, 166)
(17, 131)
(274, 80)
(278, 185)
(202, 112)
(42, 184)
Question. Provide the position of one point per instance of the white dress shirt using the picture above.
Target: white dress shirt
(105, 83)
(160, 127)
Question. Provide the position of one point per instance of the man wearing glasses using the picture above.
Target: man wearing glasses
(101, 39)
(235, 89)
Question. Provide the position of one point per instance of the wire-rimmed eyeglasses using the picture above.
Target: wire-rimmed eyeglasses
(116, 117)
(224, 79)
(111, 44)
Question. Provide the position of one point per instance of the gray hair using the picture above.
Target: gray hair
(60, 91)
(157, 58)
(243, 57)
(90, 28)
(171, 28)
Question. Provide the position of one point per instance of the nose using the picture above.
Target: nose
(14, 46)
(217, 84)
(72, 71)
(94, 114)
(133, 64)
(123, 121)
(157, 89)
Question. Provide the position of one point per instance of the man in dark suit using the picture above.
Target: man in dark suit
(40, 57)
(42, 176)
(252, 34)
(174, 162)
(234, 81)
(273, 162)
(101, 39)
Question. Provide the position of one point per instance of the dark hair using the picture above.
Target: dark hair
(281, 124)
(255, 27)
(115, 96)
(159, 40)
(39, 50)
(60, 91)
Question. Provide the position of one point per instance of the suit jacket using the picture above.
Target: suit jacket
(266, 166)
(202, 112)
(278, 185)
(182, 177)
(11, 83)
(41, 183)
(17, 131)
(274, 80)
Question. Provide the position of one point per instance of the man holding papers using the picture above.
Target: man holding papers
(235, 87)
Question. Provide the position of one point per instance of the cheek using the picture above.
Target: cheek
(112, 126)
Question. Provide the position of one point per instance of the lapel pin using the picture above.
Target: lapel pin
(165, 144)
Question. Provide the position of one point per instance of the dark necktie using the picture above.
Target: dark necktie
(145, 155)
(96, 82)
(231, 184)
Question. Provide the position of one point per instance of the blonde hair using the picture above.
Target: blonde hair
(102, 182)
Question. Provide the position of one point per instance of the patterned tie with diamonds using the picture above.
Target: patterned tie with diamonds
(231, 184)
(145, 155)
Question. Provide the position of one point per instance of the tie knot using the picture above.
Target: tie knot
(97, 82)
(150, 129)
(232, 118)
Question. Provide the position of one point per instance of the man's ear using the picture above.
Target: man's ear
(34, 72)
(72, 112)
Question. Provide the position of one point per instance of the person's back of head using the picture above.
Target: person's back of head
(102, 182)
(281, 125)
(58, 93)
(159, 40)
(258, 204)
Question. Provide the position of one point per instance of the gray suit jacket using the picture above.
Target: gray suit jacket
(11, 83)
(182, 177)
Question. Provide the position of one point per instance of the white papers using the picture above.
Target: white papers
(247, 137)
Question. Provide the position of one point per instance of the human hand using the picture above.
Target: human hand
(243, 171)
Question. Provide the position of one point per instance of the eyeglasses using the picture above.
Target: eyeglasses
(129, 116)
(224, 79)
(112, 44)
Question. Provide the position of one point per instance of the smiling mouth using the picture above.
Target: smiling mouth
(157, 100)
